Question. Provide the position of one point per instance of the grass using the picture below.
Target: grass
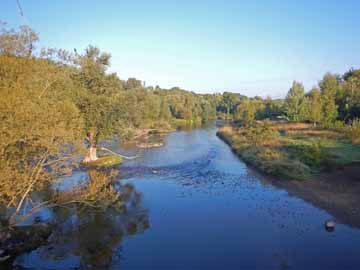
(290, 151)
(345, 152)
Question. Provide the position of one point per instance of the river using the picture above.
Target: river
(194, 205)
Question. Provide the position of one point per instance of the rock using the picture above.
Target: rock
(330, 225)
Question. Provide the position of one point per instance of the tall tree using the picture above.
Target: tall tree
(98, 100)
(230, 101)
(349, 103)
(245, 112)
(294, 101)
(329, 87)
(315, 106)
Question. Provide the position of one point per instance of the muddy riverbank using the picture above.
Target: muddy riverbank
(336, 191)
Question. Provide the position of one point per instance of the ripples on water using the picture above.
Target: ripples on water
(196, 205)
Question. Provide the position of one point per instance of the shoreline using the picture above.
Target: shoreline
(335, 190)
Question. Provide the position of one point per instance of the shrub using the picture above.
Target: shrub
(261, 133)
(313, 154)
(268, 154)
(289, 169)
(339, 126)
(353, 131)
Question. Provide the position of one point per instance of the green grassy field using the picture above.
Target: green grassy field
(290, 151)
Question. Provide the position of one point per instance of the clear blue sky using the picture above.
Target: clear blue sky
(251, 47)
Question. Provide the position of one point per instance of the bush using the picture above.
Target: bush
(339, 126)
(313, 154)
(353, 131)
(268, 154)
(261, 133)
(288, 169)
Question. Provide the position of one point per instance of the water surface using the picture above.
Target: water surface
(194, 205)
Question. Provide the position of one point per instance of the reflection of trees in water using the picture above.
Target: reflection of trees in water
(93, 231)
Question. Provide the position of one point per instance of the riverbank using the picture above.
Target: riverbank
(335, 191)
(332, 182)
(290, 151)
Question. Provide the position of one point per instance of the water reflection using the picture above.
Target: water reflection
(208, 211)
(90, 238)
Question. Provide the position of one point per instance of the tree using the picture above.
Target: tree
(269, 108)
(329, 87)
(349, 100)
(294, 101)
(38, 120)
(133, 83)
(165, 113)
(97, 100)
(230, 101)
(245, 112)
(315, 106)
(17, 43)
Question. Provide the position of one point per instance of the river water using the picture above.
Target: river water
(193, 204)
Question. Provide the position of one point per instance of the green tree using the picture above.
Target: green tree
(230, 101)
(97, 99)
(165, 113)
(38, 120)
(295, 101)
(315, 106)
(329, 87)
(245, 112)
(349, 100)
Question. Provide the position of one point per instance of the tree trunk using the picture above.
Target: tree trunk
(91, 155)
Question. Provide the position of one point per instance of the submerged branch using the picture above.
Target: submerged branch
(112, 152)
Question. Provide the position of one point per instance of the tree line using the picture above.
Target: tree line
(334, 102)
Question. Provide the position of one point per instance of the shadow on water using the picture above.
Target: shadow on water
(86, 238)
